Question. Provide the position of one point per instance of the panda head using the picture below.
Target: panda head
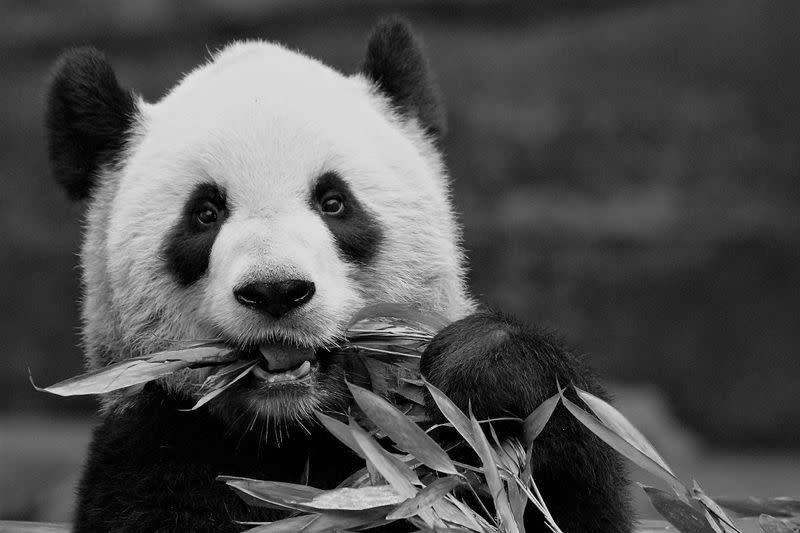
(263, 201)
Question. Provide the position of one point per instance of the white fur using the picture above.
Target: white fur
(264, 122)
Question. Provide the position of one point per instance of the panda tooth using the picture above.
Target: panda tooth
(301, 370)
(276, 377)
(260, 373)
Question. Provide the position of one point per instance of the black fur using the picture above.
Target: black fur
(88, 117)
(502, 368)
(357, 231)
(154, 467)
(396, 64)
(187, 246)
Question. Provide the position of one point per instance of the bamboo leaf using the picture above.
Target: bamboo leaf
(452, 413)
(440, 530)
(395, 332)
(350, 499)
(341, 431)
(501, 503)
(431, 322)
(620, 425)
(712, 521)
(359, 478)
(515, 463)
(653, 526)
(680, 514)
(536, 421)
(621, 445)
(395, 472)
(113, 377)
(252, 501)
(287, 525)
(344, 433)
(779, 507)
(770, 524)
(406, 468)
(336, 521)
(224, 372)
(411, 393)
(518, 500)
(222, 388)
(379, 458)
(337, 508)
(712, 507)
(455, 511)
(197, 355)
(425, 498)
(276, 493)
(405, 433)
(139, 370)
(379, 373)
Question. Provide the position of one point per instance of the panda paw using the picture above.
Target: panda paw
(497, 366)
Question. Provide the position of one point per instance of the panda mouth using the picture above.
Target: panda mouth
(283, 364)
(297, 373)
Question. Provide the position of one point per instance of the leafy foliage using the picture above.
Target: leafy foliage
(410, 476)
(424, 486)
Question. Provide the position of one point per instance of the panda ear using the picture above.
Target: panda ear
(88, 117)
(396, 64)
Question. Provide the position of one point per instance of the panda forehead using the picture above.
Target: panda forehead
(257, 172)
(253, 81)
(267, 112)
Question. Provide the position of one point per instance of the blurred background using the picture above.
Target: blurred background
(626, 172)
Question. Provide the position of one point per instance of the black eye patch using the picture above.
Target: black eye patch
(187, 246)
(357, 231)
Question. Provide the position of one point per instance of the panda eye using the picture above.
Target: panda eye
(207, 214)
(332, 205)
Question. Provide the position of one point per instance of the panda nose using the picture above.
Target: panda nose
(275, 298)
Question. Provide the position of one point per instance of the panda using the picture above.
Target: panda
(263, 201)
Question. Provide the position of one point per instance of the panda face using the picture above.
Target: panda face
(262, 202)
